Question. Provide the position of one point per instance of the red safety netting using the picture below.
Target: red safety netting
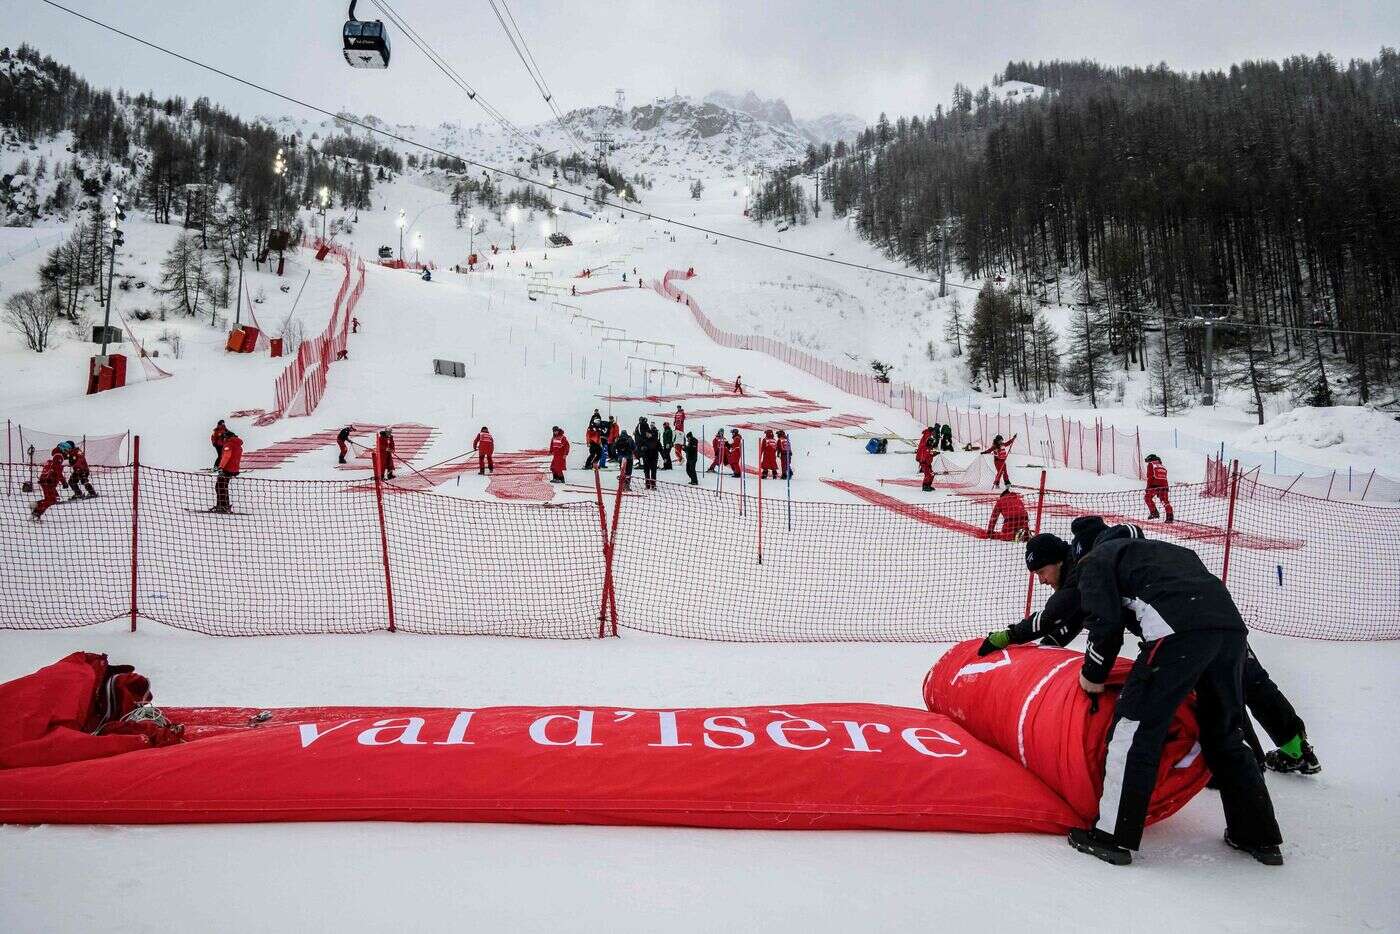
(302, 383)
(28, 448)
(722, 561)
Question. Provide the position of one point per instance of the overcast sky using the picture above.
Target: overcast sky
(899, 56)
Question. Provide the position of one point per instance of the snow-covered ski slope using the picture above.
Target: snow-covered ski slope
(531, 365)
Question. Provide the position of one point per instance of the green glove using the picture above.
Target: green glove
(995, 641)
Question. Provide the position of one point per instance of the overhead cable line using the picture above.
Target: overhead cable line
(451, 73)
(378, 131)
(532, 68)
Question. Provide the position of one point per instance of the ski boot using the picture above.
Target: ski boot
(1268, 854)
(1099, 844)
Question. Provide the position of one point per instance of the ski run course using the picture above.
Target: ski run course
(534, 364)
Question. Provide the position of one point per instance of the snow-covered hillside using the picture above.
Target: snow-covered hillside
(828, 128)
(543, 345)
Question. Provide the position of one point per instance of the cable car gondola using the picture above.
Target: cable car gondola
(366, 42)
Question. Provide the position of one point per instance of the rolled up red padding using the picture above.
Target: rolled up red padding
(808, 766)
(1026, 702)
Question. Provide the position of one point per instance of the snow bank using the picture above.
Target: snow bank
(1349, 431)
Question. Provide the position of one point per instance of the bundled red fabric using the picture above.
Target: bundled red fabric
(1026, 701)
(51, 715)
(810, 766)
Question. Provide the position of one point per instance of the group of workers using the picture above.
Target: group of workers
(51, 478)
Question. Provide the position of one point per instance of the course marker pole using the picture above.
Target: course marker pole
(135, 512)
(383, 536)
(1230, 519)
(1039, 511)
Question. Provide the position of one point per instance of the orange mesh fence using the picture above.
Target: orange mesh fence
(882, 562)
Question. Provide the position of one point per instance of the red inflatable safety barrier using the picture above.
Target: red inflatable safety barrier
(1026, 702)
(806, 766)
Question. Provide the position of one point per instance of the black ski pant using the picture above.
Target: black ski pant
(666, 456)
(690, 471)
(221, 500)
(1268, 705)
(1165, 672)
(649, 469)
(594, 452)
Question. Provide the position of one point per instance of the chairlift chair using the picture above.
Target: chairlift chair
(366, 42)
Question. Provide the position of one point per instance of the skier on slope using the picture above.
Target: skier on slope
(484, 445)
(1000, 450)
(622, 450)
(649, 448)
(216, 438)
(738, 385)
(668, 441)
(736, 452)
(785, 454)
(1193, 638)
(718, 453)
(50, 479)
(922, 447)
(342, 441)
(768, 456)
(79, 475)
(928, 450)
(1015, 522)
(692, 452)
(1157, 488)
(230, 460)
(384, 446)
(558, 454)
(593, 438)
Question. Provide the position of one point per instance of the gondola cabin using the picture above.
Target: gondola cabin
(366, 42)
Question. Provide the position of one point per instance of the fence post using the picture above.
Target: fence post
(612, 551)
(1230, 519)
(607, 555)
(760, 505)
(383, 536)
(135, 513)
(1039, 510)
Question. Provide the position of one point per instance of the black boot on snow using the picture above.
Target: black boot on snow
(1171, 518)
(1276, 760)
(1268, 854)
(1099, 844)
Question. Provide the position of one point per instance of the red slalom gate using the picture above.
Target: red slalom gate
(302, 556)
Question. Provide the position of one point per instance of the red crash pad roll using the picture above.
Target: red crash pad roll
(799, 767)
(1026, 702)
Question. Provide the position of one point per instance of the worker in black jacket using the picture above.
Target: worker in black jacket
(1193, 638)
(692, 451)
(1056, 565)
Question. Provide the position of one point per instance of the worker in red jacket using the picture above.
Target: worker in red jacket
(679, 421)
(736, 452)
(1015, 522)
(384, 449)
(229, 462)
(922, 446)
(484, 445)
(928, 450)
(50, 479)
(1000, 450)
(79, 476)
(784, 454)
(718, 454)
(558, 453)
(768, 456)
(1157, 488)
(216, 438)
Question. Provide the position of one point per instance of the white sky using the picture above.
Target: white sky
(900, 56)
